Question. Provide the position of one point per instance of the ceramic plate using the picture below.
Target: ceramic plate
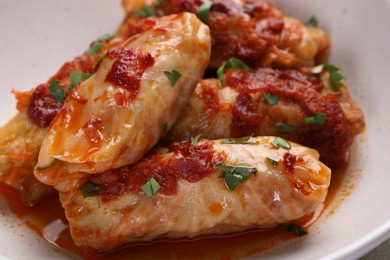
(36, 37)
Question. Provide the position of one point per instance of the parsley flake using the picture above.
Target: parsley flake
(159, 2)
(95, 48)
(273, 161)
(146, 11)
(231, 63)
(151, 187)
(89, 189)
(204, 11)
(272, 99)
(39, 169)
(55, 91)
(101, 58)
(293, 229)
(172, 76)
(195, 140)
(235, 175)
(312, 22)
(285, 128)
(76, 77)
(318, 119)
(336, 75)
(280, 142)
(242, 140)
(105, 37)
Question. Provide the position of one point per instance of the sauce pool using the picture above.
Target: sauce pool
(51, 225)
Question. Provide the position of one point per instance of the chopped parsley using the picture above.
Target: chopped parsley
(159, 2)
(242, 140)
(234, 175)
(273, 161)
(100, 59)
(39, 169)
(95, 48)
(312, 22)
(146, 11)
(89, 189)
(57, 92)
(293, 229)
(336, 75)
(172, 76)
(280, 142)
(151, 187)
(318, 119)
(105, 37)
(272, 99)
(285, 128)
(76, 77)
(195, 140)
(231, 63)
(204, 11)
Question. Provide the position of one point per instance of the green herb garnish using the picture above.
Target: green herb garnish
(39, 169)
(159, 2)
(318, 119)
(231, 63)
(76, 77)
(336, 75)
(195, 140)
(242, 140)
(234, 175)
(204, 11)
(95, 48)
(89, 189)
(280, 142)
(293, 229)
(55, 91)
(172, 76)
(146, 11)
(312, 22)
(105, 37)
(100, 59)
(285, 128)
(150, 188)
(273, 161)
(272, 99)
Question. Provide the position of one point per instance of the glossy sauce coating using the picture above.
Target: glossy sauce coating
(222, 247)
(43, 106)
(191, 163)
(301, 89)
(128, 60)
(241, 108)
(255, 39)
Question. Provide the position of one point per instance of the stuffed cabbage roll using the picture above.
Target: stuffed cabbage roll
(137, 93)
(198, 188)
(253, 31)
(22, 136)
(295, 104)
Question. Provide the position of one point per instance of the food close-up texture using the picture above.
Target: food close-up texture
(194, 118)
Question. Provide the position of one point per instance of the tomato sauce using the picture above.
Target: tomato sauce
(127, 60)
(295, 90)
(197, 160)
(260, 26)
(229, 246)
(43, 106)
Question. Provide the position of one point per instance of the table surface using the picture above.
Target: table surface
(382, 252)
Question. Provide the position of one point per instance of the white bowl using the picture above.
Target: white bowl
(36, 37)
